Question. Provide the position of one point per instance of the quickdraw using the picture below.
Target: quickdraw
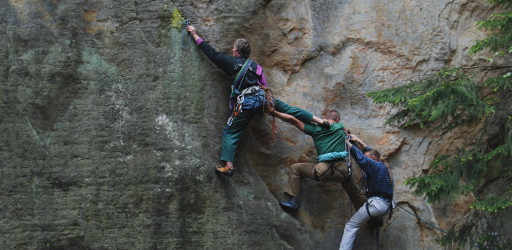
(238, 106)
(184, 25)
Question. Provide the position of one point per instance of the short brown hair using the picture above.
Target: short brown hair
(374, 153)
(243, 47)
(333, 115)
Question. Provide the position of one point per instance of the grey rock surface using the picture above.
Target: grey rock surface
(110, 129)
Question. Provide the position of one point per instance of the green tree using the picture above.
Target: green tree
(453, 97)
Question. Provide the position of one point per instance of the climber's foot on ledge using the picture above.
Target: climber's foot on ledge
(289, 206)
(227, 171)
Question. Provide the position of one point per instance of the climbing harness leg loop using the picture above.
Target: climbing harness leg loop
(238, 108)
(377, 221)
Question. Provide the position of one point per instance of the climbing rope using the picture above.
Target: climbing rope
(184, 34)
(419, 218)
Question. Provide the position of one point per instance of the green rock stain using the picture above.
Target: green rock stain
(94, 63)
(176, 18)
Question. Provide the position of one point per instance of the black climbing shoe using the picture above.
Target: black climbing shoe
(325, 124)
(224, 170)
(291, 205)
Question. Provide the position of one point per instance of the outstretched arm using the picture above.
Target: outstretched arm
(358, 142)
(223, 61)
(301, 114)
(289, 119)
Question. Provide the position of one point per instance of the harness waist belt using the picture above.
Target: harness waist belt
(386, 197)
(332, 156)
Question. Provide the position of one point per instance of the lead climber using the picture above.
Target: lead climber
(247, 95)
(379, 190)
(329, 145)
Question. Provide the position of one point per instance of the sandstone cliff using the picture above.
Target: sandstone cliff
(110, 129)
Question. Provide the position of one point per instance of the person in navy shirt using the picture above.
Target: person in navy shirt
(379, 189)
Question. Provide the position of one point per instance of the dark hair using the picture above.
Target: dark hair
(374, 153)
(243, 47)
(333, 115)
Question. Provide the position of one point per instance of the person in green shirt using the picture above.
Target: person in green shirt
(327, 141)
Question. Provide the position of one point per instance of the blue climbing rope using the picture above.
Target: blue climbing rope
(424, 221)
(184, 34)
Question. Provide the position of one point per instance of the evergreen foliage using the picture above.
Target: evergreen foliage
(499, 25)
(463, 172)
(492, 203)
(454, 97)
(442, 100)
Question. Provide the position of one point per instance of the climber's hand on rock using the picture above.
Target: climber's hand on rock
(354, 138)
(192, 30)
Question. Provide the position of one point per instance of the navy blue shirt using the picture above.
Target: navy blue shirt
(378, 182)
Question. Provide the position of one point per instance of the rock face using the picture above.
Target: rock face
(110, 129)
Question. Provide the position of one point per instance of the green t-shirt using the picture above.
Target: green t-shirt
(326, 140)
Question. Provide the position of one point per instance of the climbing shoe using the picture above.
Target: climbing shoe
(325, 124)
(291, 205)
(224, 170)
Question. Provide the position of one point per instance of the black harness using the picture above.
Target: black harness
(377, 221)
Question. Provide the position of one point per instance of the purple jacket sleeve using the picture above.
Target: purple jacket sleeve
(259, 72)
